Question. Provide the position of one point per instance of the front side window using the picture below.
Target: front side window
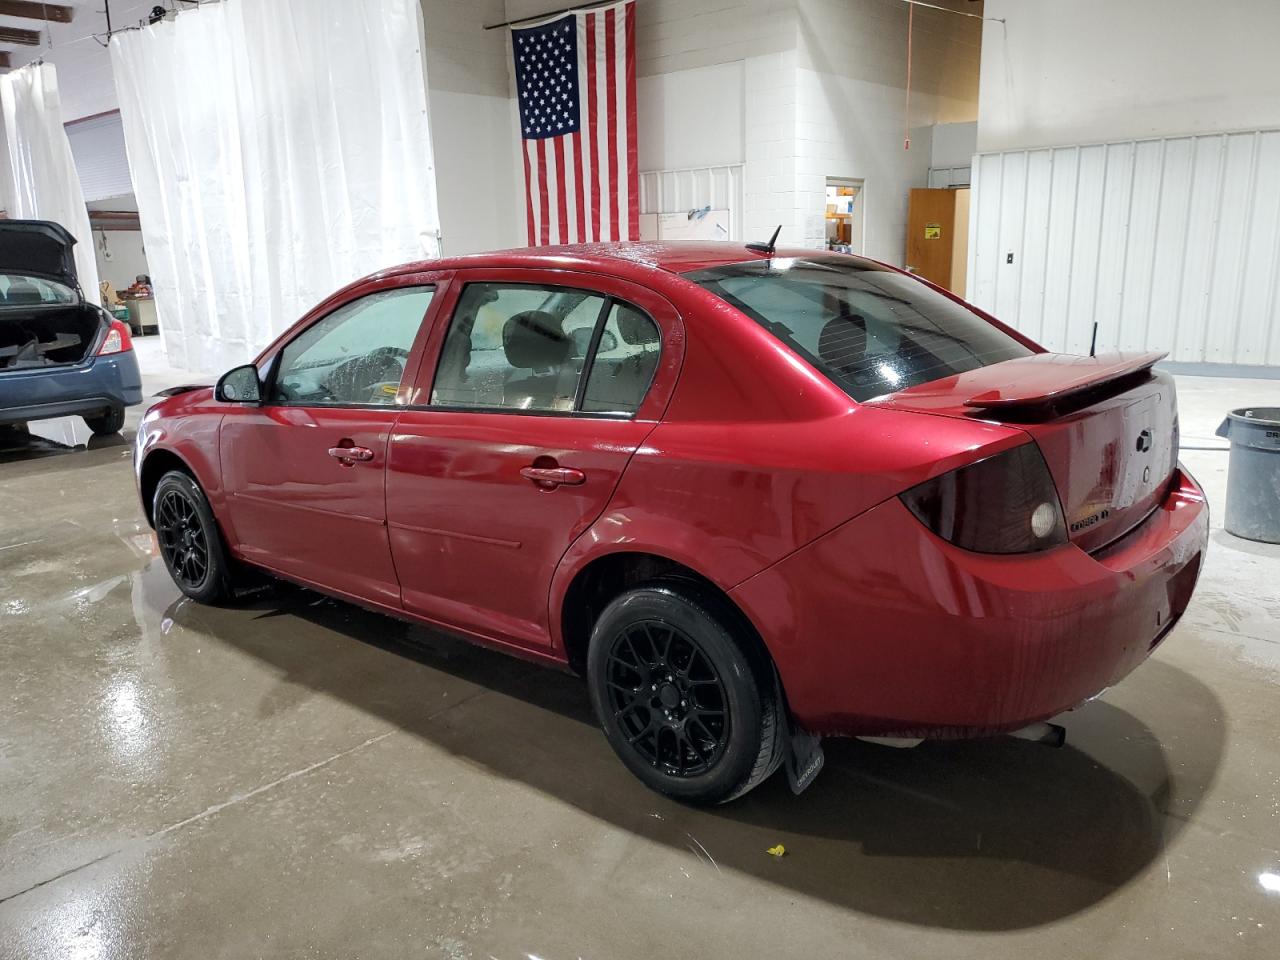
(525, 347)
(356, 355)
(868, 329)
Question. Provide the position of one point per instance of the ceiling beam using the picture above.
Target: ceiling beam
(29, 10)
(28, 38)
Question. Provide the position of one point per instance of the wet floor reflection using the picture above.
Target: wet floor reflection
(991, 835)
(41, 439)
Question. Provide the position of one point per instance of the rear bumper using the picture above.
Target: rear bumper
(881, 628)
(87, 389)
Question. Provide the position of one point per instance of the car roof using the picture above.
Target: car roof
(673, 256)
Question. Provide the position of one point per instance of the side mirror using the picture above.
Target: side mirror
(240, 385)
(608, 342)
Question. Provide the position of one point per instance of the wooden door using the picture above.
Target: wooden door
(937, 236)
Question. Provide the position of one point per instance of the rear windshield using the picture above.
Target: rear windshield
(869, 329)
(18, 290)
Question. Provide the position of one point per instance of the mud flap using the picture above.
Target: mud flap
(801, 752)
(804, 760)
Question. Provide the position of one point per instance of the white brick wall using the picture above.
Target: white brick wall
(853, 128)
(852, 118)
(463, 57)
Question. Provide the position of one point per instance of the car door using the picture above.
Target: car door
(536, 390)
(305, 470)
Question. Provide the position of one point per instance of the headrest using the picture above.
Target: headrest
(23, 291)
(635, 327)
(535, 339)
(581, 340)
(843, 341)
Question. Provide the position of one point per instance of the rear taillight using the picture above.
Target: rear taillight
(1003, 504)
(118, 339)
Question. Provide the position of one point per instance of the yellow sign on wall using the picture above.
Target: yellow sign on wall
(933, 231)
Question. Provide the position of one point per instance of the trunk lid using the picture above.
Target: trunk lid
(38, 248)
(1107, 427)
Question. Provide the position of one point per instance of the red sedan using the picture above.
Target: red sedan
(753, 496)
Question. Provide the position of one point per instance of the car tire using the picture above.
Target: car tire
(110, 422)
(709, 727)
(190, 543)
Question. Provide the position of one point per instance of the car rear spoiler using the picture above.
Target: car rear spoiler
(1052, 380)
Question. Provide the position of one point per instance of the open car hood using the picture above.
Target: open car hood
(38, 248)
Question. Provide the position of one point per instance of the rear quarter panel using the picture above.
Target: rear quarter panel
(758, 455)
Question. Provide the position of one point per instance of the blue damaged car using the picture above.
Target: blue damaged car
(59, 355)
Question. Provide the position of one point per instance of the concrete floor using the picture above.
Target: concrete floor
(302, 778)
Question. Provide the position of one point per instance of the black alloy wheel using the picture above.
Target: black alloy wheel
(684, 695)
(668, 698)
(183, 541)
(190, 543)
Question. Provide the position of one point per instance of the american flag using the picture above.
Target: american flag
(576, 81)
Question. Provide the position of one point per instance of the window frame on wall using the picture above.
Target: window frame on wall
(271, 366)
(609, 302)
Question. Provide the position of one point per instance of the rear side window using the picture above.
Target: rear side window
(869, 329)
(527, 347)
(625, 361)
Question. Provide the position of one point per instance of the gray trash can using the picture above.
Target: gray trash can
(1253, 475)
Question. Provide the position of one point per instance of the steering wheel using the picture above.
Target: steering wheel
(361, 375)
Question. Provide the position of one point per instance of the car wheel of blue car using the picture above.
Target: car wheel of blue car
(110, 422)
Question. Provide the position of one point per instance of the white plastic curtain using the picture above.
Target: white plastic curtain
(279, 149)
(40, 180)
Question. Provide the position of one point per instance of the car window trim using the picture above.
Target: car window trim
(597, 333)
(589, 361)
(276, 361)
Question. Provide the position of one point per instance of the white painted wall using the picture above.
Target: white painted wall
(479, 196)
(123, 258)
(473, 126)
(954, 144)
(691, 118)
(1089, 71)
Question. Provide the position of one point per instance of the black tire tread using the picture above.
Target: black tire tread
(222, 587)
(110, 422)
(710, 606)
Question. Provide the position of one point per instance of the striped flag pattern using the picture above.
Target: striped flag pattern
(575, 80)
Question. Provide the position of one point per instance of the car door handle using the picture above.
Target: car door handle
(551, 477)
(349, 455)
